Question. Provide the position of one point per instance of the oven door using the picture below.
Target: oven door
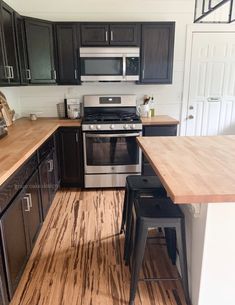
(107, 152)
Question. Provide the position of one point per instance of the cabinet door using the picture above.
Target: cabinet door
(157, 48)
(44, 186)
(71, 157)
(67, 53)
(124, 34)
(3, 286)
(22, 52)
(15, 240)
(34, 218)
(3, 73)
(7, 19)
(95, 34)
(51, 174)
(39, 37)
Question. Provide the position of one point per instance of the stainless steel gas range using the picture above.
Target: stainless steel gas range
(110, 127)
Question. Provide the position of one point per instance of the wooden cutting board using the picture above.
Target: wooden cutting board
(5, 110)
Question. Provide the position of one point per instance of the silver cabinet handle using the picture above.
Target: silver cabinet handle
(106, 35)
(124, 66)
(54, 74)
(28, 74)
(26, 197)
(51, 165)
(8, 72)
(143, 73)
(29, 195)
(111, 35)
(76, 136)
(75, 74)
(12, 72)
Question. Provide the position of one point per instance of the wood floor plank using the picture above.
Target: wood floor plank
(77, 259)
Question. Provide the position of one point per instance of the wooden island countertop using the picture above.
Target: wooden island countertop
(159, 120)
(23, 139)
(193, 169)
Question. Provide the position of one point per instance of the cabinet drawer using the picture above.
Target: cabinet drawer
(15, 183)
(160, 130)
(46, 148)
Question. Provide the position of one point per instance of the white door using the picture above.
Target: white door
(211, 100)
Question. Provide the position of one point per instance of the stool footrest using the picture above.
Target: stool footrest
(155, 279)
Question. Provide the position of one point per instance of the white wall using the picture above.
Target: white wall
(169, 97)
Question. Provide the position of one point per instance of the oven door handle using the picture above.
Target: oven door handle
(125, 135)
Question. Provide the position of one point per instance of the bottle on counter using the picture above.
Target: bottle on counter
(152, 107)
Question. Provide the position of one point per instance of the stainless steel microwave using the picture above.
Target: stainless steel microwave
(110, 64)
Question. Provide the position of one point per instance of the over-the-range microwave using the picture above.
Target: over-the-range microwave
(110, 64)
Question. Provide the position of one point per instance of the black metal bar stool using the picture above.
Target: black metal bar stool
(145, 186)
(152, 213)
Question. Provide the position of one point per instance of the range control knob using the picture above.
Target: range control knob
(112, 126)
(126, 126)
(132, 126)
(92, 127)
(98, 127)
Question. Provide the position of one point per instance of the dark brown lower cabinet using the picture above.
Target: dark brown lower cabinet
(48, 181)
(34, 216)
(4, 300)
(16, 245)
(156, 131)
(71, 159)
(20, 225)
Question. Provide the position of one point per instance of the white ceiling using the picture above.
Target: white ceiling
(102, 9)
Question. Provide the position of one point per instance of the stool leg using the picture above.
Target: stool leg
(138, 255)
(181, 243)
(124, 211)
(130, 202)
(170, 236)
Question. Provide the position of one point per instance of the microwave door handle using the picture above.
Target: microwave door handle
(124, 66)
(125, 135)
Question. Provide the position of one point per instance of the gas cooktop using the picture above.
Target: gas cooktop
(112, 118)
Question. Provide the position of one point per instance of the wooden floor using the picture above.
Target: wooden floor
(77, 259)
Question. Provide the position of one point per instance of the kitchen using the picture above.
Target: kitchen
(85, 240)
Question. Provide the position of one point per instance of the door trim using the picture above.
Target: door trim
(191, 29)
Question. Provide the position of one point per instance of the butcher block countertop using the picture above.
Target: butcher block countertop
(194, 169)
(23, 139)
(159, 120)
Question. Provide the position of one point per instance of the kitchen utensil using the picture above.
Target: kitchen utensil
(7, 113)
(143, 110)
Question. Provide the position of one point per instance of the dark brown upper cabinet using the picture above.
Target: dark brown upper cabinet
(25, 75)
(157, 49)
(114, 34)
(123, 34)
(40, 47)
(67, 53)
(9, 57)
(95, 34)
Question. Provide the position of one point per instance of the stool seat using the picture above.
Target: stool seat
(157, 208)
(143, 183)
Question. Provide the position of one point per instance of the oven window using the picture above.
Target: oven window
(101, 66)
(110, 150)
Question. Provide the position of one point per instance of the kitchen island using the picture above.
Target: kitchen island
(200, 170)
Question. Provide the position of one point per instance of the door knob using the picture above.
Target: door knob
(191, 107)
(190, 117)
